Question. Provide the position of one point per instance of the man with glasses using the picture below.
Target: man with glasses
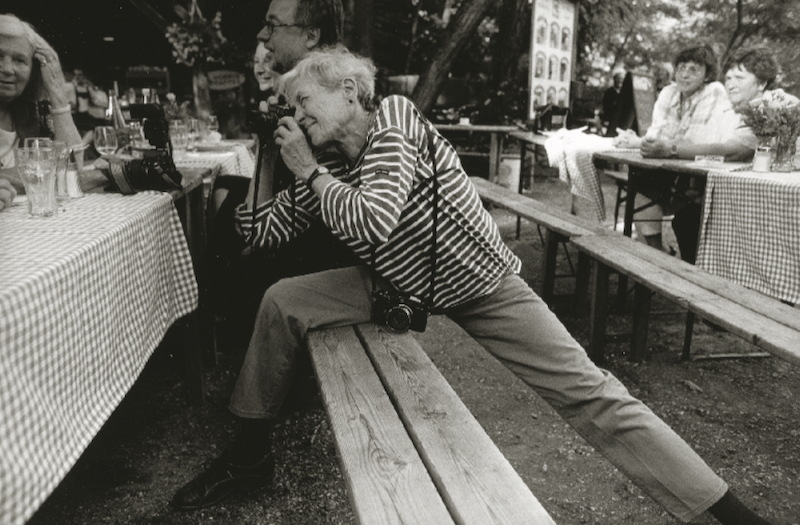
(291, 30)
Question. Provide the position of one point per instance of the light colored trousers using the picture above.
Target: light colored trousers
(518, 328)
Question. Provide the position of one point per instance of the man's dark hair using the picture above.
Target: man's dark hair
(758, 60)
(700, 54)
(325, 15)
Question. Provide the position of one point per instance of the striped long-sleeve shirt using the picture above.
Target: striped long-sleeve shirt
(382, 207)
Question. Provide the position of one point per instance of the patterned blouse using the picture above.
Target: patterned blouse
(694, 118)
(382, 207)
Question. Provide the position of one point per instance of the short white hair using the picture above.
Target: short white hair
(331, 66)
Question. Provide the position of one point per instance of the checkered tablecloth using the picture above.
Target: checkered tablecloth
(750, 231)
(85, 298)
(571, 152)
(238, 161)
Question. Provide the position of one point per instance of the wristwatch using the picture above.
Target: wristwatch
(673, 150)
(321, 170)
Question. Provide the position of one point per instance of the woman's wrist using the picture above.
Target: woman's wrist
(61, 110)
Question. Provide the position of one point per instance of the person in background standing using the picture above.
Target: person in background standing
(611, 95)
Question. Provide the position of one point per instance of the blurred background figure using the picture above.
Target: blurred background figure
(264, 74)
(611, 96)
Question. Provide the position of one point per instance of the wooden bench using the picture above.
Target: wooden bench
(559, 226)
(763, 321)
(410, 451)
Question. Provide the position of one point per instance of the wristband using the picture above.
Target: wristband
(321, 170)
(59, 111)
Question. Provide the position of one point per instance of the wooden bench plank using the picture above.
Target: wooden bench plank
(386, 479)
(477, 483)
(730, 290)
(748, 323)
(554, 219)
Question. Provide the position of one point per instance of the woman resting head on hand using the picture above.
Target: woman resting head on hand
(30, 72)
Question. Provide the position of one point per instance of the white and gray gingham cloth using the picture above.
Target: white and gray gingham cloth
(750, 231)
(238, 161)
(571, 152)
(85, 298)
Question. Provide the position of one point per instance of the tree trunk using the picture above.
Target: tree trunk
(461, 27)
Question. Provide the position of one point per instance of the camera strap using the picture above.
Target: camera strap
(435, 200)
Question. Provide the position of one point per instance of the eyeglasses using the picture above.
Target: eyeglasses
(269, 28)
(690, 69)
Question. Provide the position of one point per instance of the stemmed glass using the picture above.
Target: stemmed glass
(105, 140)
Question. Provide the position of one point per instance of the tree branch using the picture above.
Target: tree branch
(153, 15)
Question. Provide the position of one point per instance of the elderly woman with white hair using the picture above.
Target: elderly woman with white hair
(390, 186)
(30, 72)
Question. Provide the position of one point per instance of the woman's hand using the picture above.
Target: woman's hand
(655, 148)
(295, 149)
(627, 139)
(7, 194)
(52, 75)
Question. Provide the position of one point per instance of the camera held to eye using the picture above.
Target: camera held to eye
(397, 312)
(265, 123)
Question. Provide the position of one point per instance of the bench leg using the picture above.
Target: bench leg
(641, 322)
(580, 305)
(551, 242)
(687, 336)
(598, 317)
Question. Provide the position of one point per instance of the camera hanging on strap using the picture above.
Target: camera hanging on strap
(395, 310)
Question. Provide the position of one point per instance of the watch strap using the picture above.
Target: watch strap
(321, 170)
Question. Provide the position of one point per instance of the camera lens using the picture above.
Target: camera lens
(398, 318)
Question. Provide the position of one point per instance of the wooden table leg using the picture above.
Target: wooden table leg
(523, 150)
(494, 157)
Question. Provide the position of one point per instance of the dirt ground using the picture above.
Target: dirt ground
(742, 416)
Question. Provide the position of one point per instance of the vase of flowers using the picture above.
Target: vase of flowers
(775, 119)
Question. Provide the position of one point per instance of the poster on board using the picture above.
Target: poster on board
(552, 53)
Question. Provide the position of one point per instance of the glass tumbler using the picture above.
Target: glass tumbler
(37, 169)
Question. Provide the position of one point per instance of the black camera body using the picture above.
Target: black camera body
(265, 123)
(399, 313)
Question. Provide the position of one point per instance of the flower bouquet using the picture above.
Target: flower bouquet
(775, 120)
(198, 40)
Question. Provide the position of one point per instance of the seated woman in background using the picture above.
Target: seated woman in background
(687, 110)
(30, 72)
(752, 71)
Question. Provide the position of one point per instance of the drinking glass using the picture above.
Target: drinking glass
(179, 137)
(105, 140)
(193, 132)
(37, 169)
(212, 123)
(38, 142)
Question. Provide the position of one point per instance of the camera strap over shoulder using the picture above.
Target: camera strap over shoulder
(435, 201)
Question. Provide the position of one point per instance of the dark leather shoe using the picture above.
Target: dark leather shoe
(220, 480)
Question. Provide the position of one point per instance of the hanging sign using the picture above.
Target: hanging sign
(222, 79)
(553, 52)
